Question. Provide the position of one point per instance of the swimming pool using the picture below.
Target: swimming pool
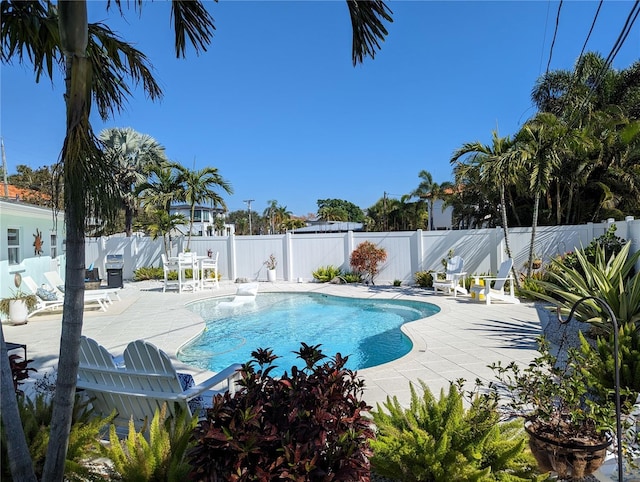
(366, 330)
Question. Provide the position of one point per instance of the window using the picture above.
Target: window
(197, 215)
(13, 243)
(54, 245)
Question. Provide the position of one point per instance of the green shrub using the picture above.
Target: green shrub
(609, 242)
(351, 277)
(84, 439)
(397, 282)
(306, 425)
(146, 273)
(607, 278)
(156, 456)
(324, 274)
(441, 441)
(424, 279)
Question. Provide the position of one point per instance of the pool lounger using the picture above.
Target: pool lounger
(246, 293)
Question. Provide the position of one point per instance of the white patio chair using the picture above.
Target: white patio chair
(98, 297)
(145, 382)
(454, 278)
(188, 261)
(46, 302)
(169, 265)
(496, 292)
(209, 272)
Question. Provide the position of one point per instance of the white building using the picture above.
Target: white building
(204, 220)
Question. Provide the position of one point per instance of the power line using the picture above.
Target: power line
(555, 34)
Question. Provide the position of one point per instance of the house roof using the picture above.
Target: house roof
(330, 227)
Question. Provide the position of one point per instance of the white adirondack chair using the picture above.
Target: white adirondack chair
(145, 382)
(454, 278)
(496, 291)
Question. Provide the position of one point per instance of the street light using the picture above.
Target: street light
(616, 368)
(249, 201)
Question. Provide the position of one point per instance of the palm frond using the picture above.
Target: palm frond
(367, 19)
(191, 19)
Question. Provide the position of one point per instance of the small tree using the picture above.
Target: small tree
(366, 258)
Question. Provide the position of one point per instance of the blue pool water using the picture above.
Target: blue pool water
(368, 331)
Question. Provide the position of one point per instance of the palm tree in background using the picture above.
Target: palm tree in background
(163, 225)
(495, 164)
(95, 64)
(539, 147)
(199, 187)
(161, 188)
(428, 189)
(134, 154)
(269, 213)
(332, 213)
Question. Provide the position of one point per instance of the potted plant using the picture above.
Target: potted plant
(568, 424)
(271, 264)
(18, 306)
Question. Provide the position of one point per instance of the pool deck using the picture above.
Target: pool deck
(458, 342)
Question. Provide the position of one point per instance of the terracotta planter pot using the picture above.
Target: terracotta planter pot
(570, 460)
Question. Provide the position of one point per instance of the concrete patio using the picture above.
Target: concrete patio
(458, 342)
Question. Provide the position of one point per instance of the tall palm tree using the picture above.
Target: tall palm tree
(496, 166)
(269, 212)
(281, 215)
(95, 63)
(538, 147)
(133, 153)
(198, 187)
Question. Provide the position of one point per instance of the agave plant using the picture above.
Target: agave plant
(613, 279)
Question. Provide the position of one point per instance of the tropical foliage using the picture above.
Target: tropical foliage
(97, 66)
(366, 258)
(306, 425)
(439, 440)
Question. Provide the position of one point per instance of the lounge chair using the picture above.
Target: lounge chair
(209, 272)
(246, 293)
(496, 292)
(47, 301)
(143, 384)
(101, 296)
(454, 278)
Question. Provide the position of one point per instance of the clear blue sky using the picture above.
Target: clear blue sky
(276, 105)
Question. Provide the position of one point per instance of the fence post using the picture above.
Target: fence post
(231, 240)
(419, 250)
(288, 257)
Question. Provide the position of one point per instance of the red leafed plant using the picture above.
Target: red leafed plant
(366, 258)
(19, 370)
(304, 426)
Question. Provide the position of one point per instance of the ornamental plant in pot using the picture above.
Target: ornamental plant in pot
(569, 425)
(271, 264)
(18, 306)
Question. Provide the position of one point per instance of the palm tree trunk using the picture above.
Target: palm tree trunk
(193, 212)
(20, 462)
(505, 227)
(73, 28)
(128, 220)
(534, 224)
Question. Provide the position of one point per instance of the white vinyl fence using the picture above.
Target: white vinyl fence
(298, 255)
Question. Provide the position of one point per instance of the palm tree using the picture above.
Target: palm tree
(161, 188)
(538, 147)
(163, 224)
(496, 166)
(197, 187)
(330, 213)
(281, 216)
(133, 153)
(95, 63)
(430, 190)
(269, 212)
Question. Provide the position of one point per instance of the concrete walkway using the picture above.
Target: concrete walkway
(458, 342)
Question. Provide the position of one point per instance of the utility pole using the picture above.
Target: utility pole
(4, 169)
(249, 201)
(384, 212)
